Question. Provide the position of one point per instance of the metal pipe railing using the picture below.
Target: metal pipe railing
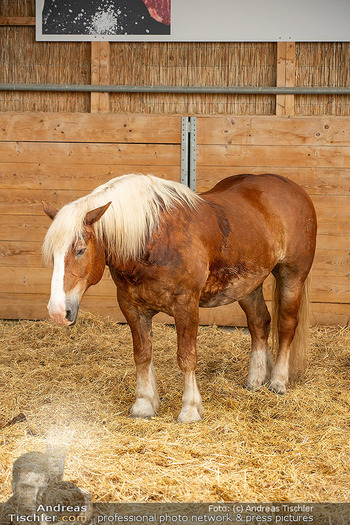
(237, 90)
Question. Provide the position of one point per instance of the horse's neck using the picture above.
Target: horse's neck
(118, 264)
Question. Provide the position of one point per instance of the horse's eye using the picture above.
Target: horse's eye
(80, 252)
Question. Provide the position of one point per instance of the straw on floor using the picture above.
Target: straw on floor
(77, 385)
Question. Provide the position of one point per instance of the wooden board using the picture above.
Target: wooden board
(85, 127)
(285, 76)
(246, 156)
(17, 21)
(278, 131)
(83, 153)
(100, 75)
(24, 254)
(34, 176)
(23, 228)
(28, 202)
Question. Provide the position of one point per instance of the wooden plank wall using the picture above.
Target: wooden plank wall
(314, 152)
(61, 157)
(58, 158)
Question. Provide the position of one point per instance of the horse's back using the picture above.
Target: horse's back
(268, 183)
(267, 195)
(268, 210)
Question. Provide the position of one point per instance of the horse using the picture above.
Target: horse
(171, 250)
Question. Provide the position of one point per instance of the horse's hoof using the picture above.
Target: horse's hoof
(189, 414)
(252, 386)
(277, 386)
(142, 408)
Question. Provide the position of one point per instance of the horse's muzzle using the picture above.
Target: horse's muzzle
(72, 310)
(65, 314)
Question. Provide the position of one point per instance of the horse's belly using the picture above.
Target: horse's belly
(219, 291)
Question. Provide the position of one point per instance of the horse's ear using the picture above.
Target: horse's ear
(94, 215)
(49, 210)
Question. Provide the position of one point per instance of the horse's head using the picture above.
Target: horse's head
(76, 268)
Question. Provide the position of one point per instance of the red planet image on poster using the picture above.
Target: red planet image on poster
(159, 10)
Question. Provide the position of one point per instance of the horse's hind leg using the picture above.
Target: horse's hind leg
(186, 320)
(258, 319)
(290, 284)
(147, 399)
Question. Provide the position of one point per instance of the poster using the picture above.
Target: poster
(194, 20)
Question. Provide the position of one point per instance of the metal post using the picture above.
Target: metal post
(193, 154)
(184, 150)
(189, 152)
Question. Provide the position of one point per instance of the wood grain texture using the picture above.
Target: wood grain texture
(38, 176)
(90, 153)
(254, 130)
(218, 155)
(23, 228)
(266, 131)
(247, 156)
(23, 254)
(100, 75)
(84, 127)
(17, 21)
(285, 76)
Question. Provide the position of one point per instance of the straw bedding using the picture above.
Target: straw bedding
(78, 384)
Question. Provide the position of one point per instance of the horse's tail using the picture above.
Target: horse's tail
(298, 348)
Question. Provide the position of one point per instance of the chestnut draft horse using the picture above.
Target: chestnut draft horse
(171, 250)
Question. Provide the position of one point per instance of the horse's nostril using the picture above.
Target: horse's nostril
(72, 313)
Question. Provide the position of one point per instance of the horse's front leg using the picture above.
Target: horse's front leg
(147, 399)
(186, 320)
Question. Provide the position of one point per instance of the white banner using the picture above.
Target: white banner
(194, 20)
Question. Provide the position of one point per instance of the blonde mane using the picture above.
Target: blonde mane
(130, 220)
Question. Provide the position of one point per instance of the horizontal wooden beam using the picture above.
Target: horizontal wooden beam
(17, 21)
(272, 130)
(92, 153)
(152, 128)
(273, 156)
(86, 127)
(40, 175)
